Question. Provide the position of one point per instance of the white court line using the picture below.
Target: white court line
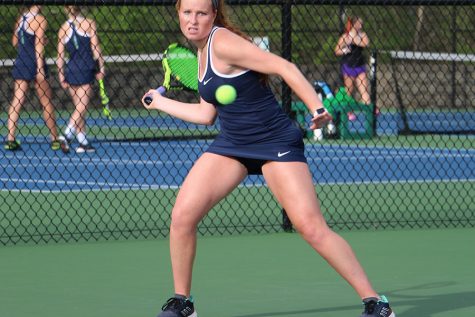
(103, 185)
(34, 160)
(368, 148)
(137, 58)
(122, 187)
(432, 56)
(393, 152)
(393, 156)
(368, 155)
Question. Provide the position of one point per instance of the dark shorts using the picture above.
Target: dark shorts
(77, 77)
(254, 156)
(352, 71)
(26, 72)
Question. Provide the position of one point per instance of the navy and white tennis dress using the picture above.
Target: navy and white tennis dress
(254, 128)
(81, 67)
(25, 66)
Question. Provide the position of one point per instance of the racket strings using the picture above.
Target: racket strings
(184, 66)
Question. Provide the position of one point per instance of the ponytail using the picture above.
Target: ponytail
(348, 25)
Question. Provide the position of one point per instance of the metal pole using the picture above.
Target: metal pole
(286, 92)
(454, 49)
(373, 84)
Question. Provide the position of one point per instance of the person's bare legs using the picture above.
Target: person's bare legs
(349, 86)
(19, 94)
(80, 96)
(43, 90)
(292, 185)
(211, 178)
(362, 85)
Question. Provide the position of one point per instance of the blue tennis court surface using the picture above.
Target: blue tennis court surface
(164, 164)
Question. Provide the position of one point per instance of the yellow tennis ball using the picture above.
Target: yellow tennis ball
(225, 94)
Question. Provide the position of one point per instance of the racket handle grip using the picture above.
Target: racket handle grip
(161, 90)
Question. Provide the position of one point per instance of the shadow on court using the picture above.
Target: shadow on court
(419, 305)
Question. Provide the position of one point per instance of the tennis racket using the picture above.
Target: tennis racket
(104, 100)
(181, 70)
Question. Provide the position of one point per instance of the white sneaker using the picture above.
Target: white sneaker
(85, 148)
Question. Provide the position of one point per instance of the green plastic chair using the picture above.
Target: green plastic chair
(340, 105)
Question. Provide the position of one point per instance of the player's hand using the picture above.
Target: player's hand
(352, 35)
(348, 39)
(152, 93)
(319, 120)
(62, 81)
(40, 75)
(100, 75)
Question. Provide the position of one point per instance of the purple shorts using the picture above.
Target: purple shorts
(352, 71)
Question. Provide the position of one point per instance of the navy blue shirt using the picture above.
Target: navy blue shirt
(25, 66)
(254, 125)
(81, 67)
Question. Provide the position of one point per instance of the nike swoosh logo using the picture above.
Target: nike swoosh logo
(206, 81)
(282, 154)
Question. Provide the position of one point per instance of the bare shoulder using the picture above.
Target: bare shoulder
(225, 40)
(19, 20)
(38, 21)
(90, 25)
(225, 35)
(64, 28)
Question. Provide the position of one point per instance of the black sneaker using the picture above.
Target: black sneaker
(374, 307)
(12, 145)
(178, 306)
(85, 148)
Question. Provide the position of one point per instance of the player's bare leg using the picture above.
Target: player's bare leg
(215, 176)
(19, 95)
(43, 90)
(210, 180)
(292, 185)
(81, 96)
(363, 88)
(349, 85)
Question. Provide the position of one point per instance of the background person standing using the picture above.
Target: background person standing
(78, 37)
(29, 38)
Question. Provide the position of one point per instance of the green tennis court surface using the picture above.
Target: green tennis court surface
(425, 273)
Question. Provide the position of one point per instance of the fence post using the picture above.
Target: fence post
(373, 85)
(286, 93)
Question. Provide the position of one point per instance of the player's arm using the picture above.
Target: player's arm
(198, 113)
(341, 47)
(39, 25)
(15, 34)
(235, 51)
(96, 50)
(361, 39)
(60, 61)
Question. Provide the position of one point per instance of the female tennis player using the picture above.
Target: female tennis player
(29, 38)
(350, 47)
(78, 37)
(256, 137)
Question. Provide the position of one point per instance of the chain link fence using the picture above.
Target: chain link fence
(403, 159)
